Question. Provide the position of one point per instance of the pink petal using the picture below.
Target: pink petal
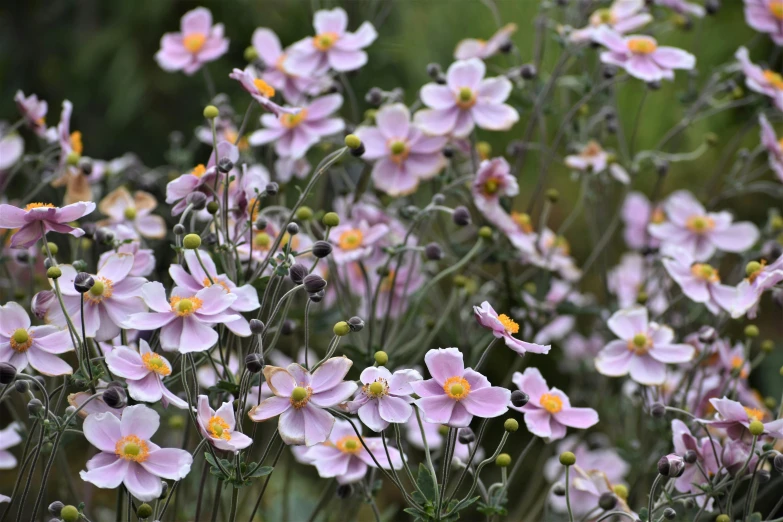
(582, 418)
(393, 121)
(109, 476)
(487, 402)
(139, 420)
(467, 73)
(141, 483)
(102, 430)
(330, 373)
(444, 363)
(268, 408)
(168, 463)
(436, 96)
(437, 408)
(646, 370)
(394, 409)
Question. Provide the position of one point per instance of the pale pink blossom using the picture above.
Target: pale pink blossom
(219, 427)
(591, 158)
(763, 81)
(197, 43)
(641, 57)
(384, 397)
(33, 111)
(773, 145)
(133, 212)
(9, 437)
(38, 346)
(37, 218)
(144, 371)
(504, 327)
(622, 16)
(766, 16)
(483, 49)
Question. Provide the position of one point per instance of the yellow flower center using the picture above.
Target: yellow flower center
(640, 344)
(349, 444)
(755, 269)
(21, 340)
(31, 206)
(592, 149)
(705, 272)
(642, 45)
(602, 16)
(776, 9)
(300, 396)
(262, 241)
(737, 363)
(508, 323)
(132, 448)
(155, 363)
(351, 239)
(399, 151)
(184, 306)
(558, 242)
(199, 170)
(206, 282)
(466, 98)
(457, 388)
(491, 186)
(754, 414)
(774, 79)
(325, 41)
(219, 428)
(130, 213)
(194, 42)
(523, 221)
(101, 289)
(700, 224)
(551, 402)
(658, 216)
(289, 121)
(264, 88)
(76, 142)
(376, 389)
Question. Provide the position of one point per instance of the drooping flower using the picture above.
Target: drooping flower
(197, 43)
(9, 437)
(764, 81)
(483, 49)
(38, 346)
(33, 111)
(622, 16)
(504, 327)
(493, 181)
(133, 212)
(641, 57)
(683, 7)
(355, 241)
(404, 154)
(643, 350)
(766, 16)
(344, 457)
(705, 449)
(700, 282)
(773, 145)
(467, 100)
(332, 47)
(699, 232)
(591, 158)
(760, 277)
(736, 418)
(301, 399)
(177, 191)
(384, 397)
(294, 134)
(549, 410)
(37, 218)
(186, 319)
(144, 372)
(219, 427)
(637, 213)
(260, 91)
(128, 456)
(455, 394)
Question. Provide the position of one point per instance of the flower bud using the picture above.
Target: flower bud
(70, 514)
(466, 436)
(511, 425)
(690, 457)
(314, 283)
(356, 323)
(179, 229)
(7, 373)
(433, 252)
(292, 229)
(254, 363)
(53, 272)
(567, 458)
(55, 508)
(331, 219)
(707, 334)
(528, 71)
(341, 328)
(552, 195)
(559, 490)
(40, 303)
(756, 428)
(778, 462)
(767, 345)
(671, 465)
(21, 386)
(49, 263)
(104, 236)
(723, 518)
(607, 501)
(191, 241)
(304, 213)
(448, 152)
(297, 273)
(485, 233)
(374, 97)
(317, 297)
(381, 358)
(164, 486)
(503, 460)
(519, 398)
(251, 54)
(353, 142)
(438, 199)
(211, 112)
(461, 217)
(34, 406)
(213, 207)
(712, 6)
(70, 411)
(288, 327)
(609, 71)
(256, 326)
(197, 199)
(83, 282)
(52, 248)
(272, 188)
(261, 223)
(434, 71)
(144, 511)
(321, 249)
(751, 331)
(669, 514)
(344, 491)
(114, 397)
(658, 410)
(763, 476)
(621, 491)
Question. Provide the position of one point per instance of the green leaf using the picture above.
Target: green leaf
(230, 387)
(262, 471)
(427, 483)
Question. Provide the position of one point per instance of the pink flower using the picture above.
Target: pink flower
(195, 281)
(355, 241)
(197, 43)
(736, 418)
(504, 327)
(38, 346)
(733, 359)
(33, 111)
(343, 456)
(177, 191)
(773, 145)
(219, 426)
(331, 47)
(259, 90)
(736, 453)
(682, 7)
(186, 319)
(89, 406)
(592, 158)
(144, 372)
(637, 213)
(760, 278)
(634, 275)
(549, 410)
(700, 282)
(641, 56)
(405, 156)
(766, 16)
(301, 399)
(455, 394)
(764, 81)
(622, 16)
(493, 181)
(128, 456)
(577, 347)
(113, 297)
(9, 437)
(706, 453)
(643, 350)
(133, 212)
(483, 49)
(384, 397)
(467, 100)
(699, 232)
(143, 258)
(294, 134)
(37, 216)
(554, 253)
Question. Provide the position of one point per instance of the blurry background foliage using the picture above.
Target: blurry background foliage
(99, 54)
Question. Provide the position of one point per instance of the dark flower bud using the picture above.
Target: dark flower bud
(515, 148)
(48, 263)
(272, 188)
(519, 398)
(506, 47)
(7, 373)
(210, 239)
(466, 436)
(164, 490)
(288, 327)
(321, 249)
(433, 252)
(438, 199)
(448, 152)
(21, 386)
(89, 230)
(690, 457)
(70, 411)
(778, 462)
(34, 406)
(658, 410)
(261, 223)
(374, 96)
(179, 229)
(434, 71)
(528, 71)
(79, 265)
(607, 501)
(213, 207)
(609, 71)
(197, 199)
(611, 127)
(763, 476)
(344, 491)
(654, 85)
(314, 283)
(292, 229)
(225, 165)
(83, 282)
(317, 297)
(356, 323)
(114, 397)
(22, 256)
(707, 334)
(461, 216)
(104, 236)
(712, 6)
(297, 273)
(559, 490)
(55, 508)
(256, 326)
(86, 166)
(669, 514)
(254, 363)
(671, 465)
(359, 151)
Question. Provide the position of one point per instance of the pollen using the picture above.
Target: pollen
(508, 323)
(491, 186)
(602, 16)
(132, 448)
(264, 88)
(194, 42)
(776, 8)
(754, 414)
(754, 269)
(199, 170)
(466, 98)
(349, 444)
(101, 289)
(376, 389)
(219, 428)
(399, 151)
(640, 344)
(155, 363)
(206, 282)
(642, 45)
(773, 78)
(21, 340)
(457, 388)
(289, 121)
(351, 239)
(325, 41)
(705, 272)
(700, 224)
(523, 221)
(31, 206)
(658, 216)
(551, 402)
(76, 142)
(184, 306)
(301, 396)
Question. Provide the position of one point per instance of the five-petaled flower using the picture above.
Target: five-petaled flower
(384, 397)
(504, 327)
(219, 427)
(197, 43)
(38, 346)
(35, 219)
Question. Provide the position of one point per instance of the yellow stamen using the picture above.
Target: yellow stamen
(351, 239)
(491, 186)
(184, 306)
(523, 221)
(754, 414)
(207, 283)
(101, 289)
(457, 388)
(551, 402)
(31, 206)
(199, 170)
(508, 323)
(776, 8)
(194, 42)
(592, 149)
(705, 272)
(325, 41)
(155, 363)
(132, 448)
(774, 79)
(640, 344)
(700, 224)
(602, 16)
(219, 428)
(642, 45)
(264, 88)
(21, 340)
(349, 444)
(289, 121)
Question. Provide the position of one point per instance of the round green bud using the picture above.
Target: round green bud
(352, 141)
(251, 54)
(751, 330)
(711, 139)
(530, 287)
(485, 233)
(620, 490)
(176, 422)
(213, 207)
(369, 115)
(191, 241)
(304, 213)
(130, 213)
(341, 328)
(443, 430)
(484, 149)
(584, 110)
(299, 394)
(776, 222)
(331, 219)
(460, 281)
(752, 267)
(767, 345)
(70, 514)
(52, 248)
(641, 297)
(756, 428)
(723, 518)
(144, 511)
(770, 402)
(381, 358)
(73, 159)
(376, 388)
(210, 112)
(511, 425)
(503, 460)
(54, 272)
(567, 458)
(552, 195)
